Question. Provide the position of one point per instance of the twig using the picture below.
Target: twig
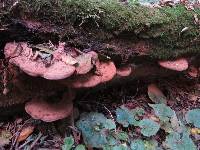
(17, 133)
(24, 144)
(36, 140)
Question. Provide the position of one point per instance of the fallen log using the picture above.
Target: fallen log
(122, 34)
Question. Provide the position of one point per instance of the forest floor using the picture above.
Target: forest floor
(22, 132)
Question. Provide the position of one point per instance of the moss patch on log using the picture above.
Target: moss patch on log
(171, 29)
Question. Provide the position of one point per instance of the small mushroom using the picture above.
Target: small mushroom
(105, 71)
(124, 71)
(49, 112)
(177, 65)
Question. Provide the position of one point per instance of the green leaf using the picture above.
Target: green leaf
(80, 147)
(120, 147)
(107, 147)
(128, 117)
(149, 127)
(193, 117)
(95, 129)
(163, 111)
(110, 124)
(174, 125)
(144, 145)
(138, 112)
(121, 136)
(151, 145)
(179, 141)
(112, 140)
(137, 145)
(68, 143)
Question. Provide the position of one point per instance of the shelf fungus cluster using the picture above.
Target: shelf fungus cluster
(67, 69)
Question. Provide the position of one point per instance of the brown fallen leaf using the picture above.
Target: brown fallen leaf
(5, 138)
(153, 117)
(193, 72)
(193, 97)
(155, 94)
(84, 63)
(195, 131)
(69, 60)
(25, 133)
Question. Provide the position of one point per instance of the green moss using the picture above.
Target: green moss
(163, 26)
(108, 14)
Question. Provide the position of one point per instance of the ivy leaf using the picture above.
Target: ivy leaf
(128, 117)
(179, 141)
(121, 136)
(148, 127)
(174, 125)
(68, 143)
(80, 147)
(125, 116)
(144, 145)
(95, 129)
(137, 145)
(156, 95)
(107, 147)
(120, 147)
(151, 145)
(193, 117)
(110, 124)
(138, 112)
(162, 111)
(112, 140)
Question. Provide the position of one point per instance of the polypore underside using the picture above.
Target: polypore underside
(38, 66)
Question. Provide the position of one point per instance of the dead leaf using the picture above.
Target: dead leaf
(193, 72)
(156, 95)
(25, 133)
(5, 138)
(154, 118)
(84, 63)
(195, 131)
(193, 97)
(69, 60)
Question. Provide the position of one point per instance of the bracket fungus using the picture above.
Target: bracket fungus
(56, 63)
(105, 71)
(180, 64)
(49, 112)
(21, 57)
(124, 71)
